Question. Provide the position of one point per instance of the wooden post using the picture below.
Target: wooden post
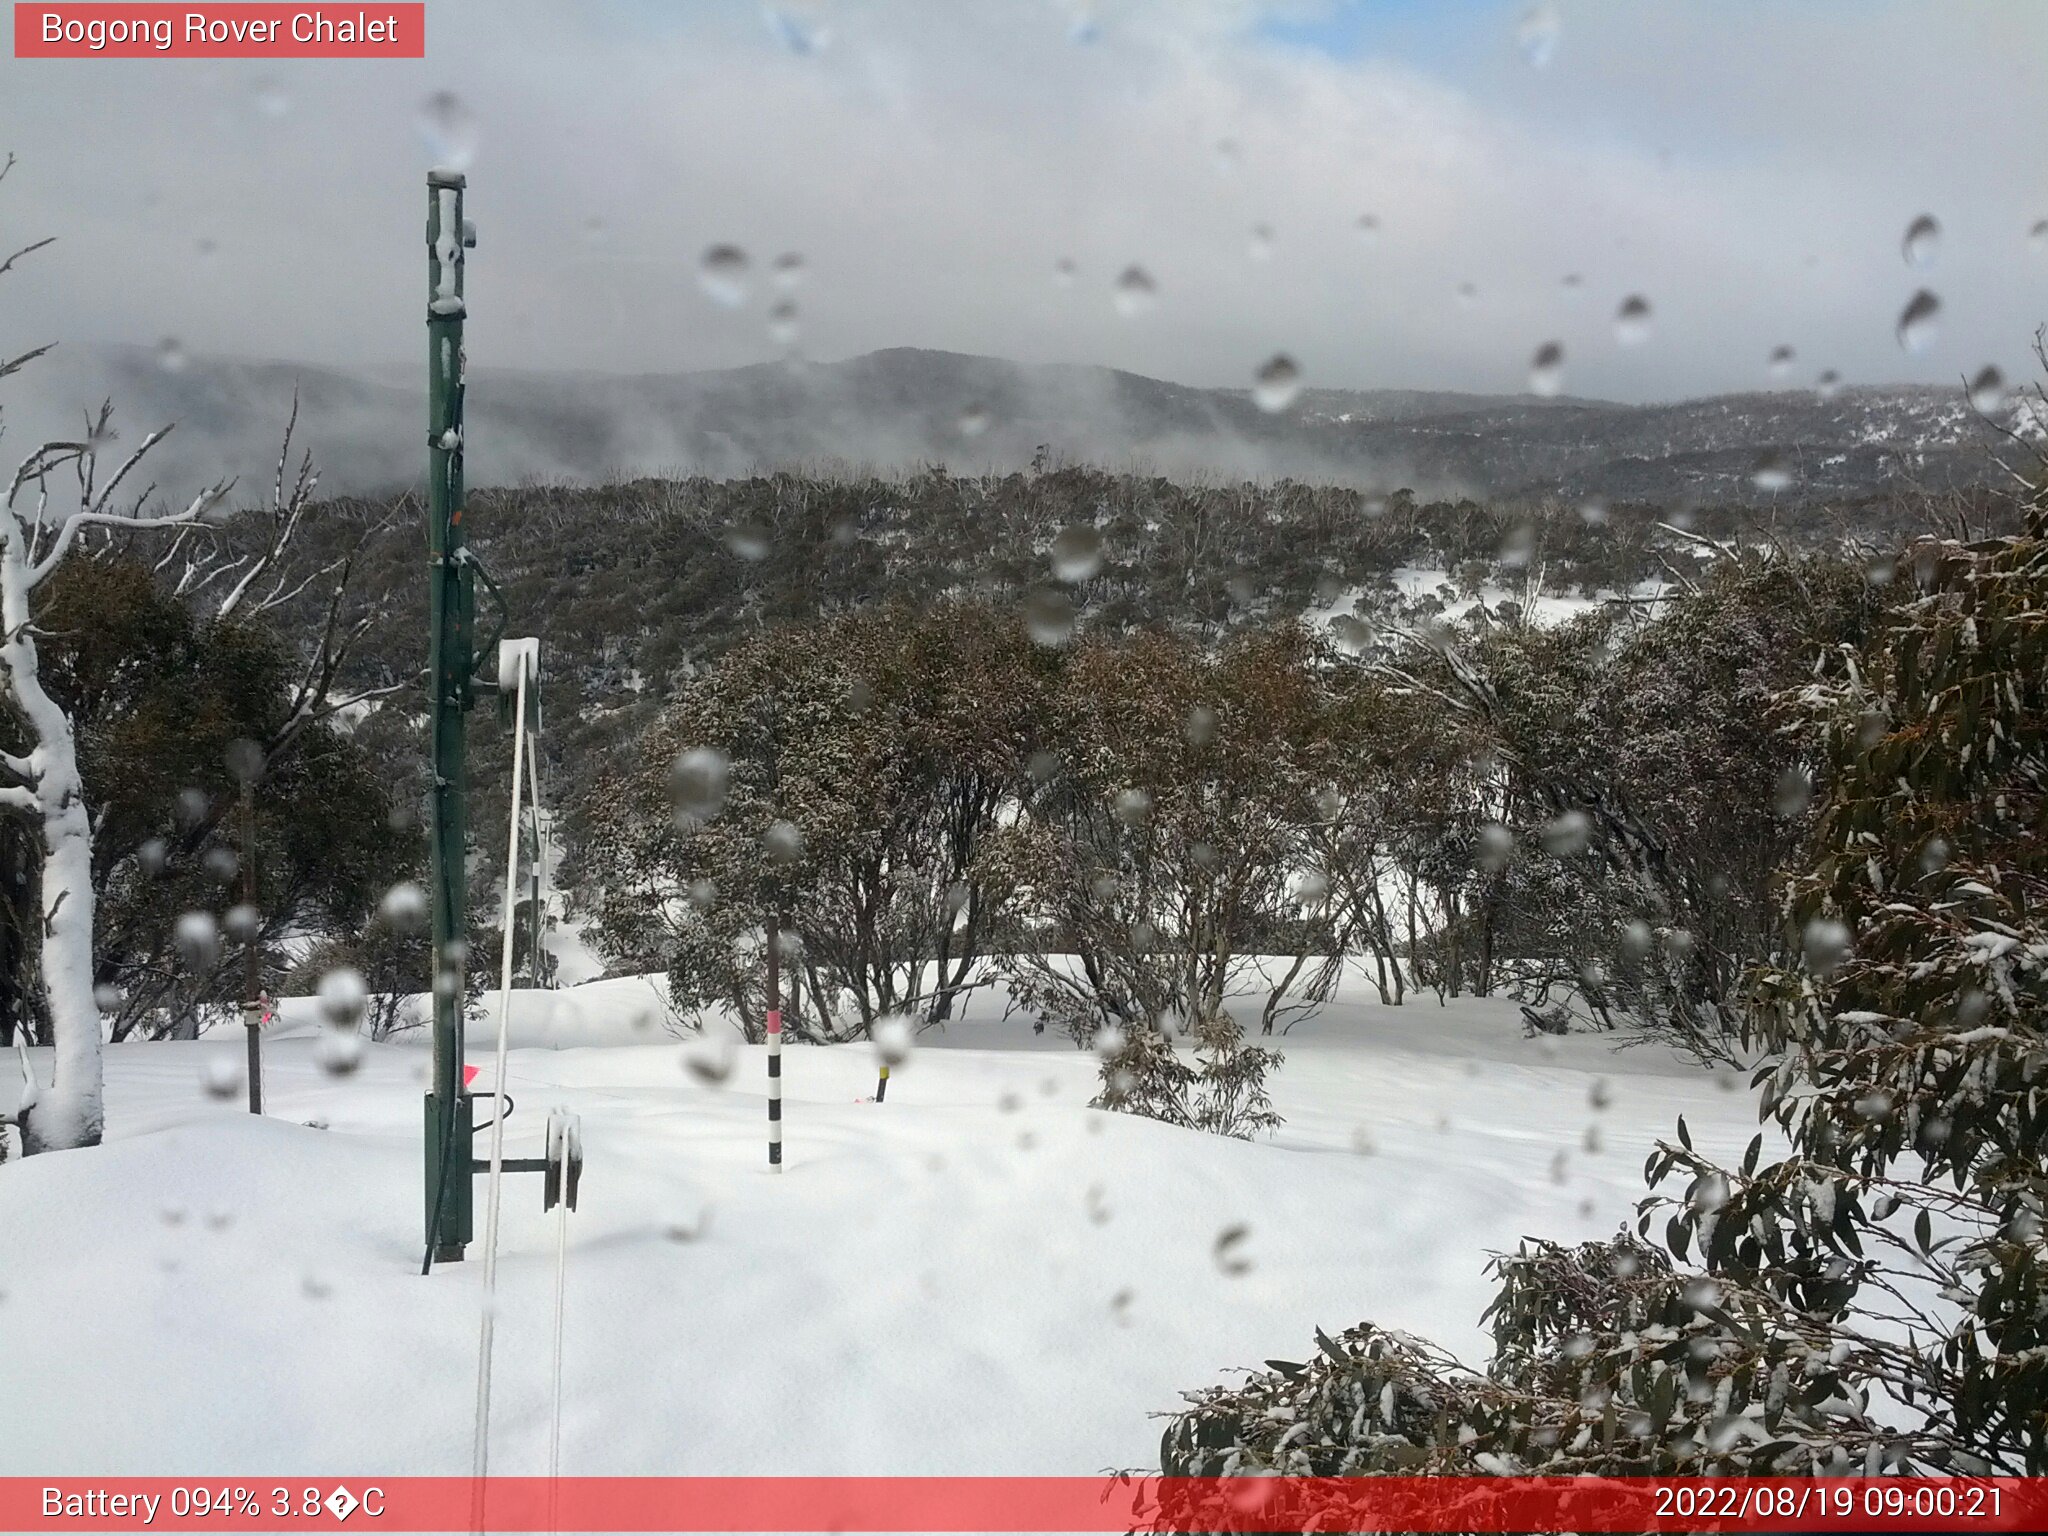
(774, 1043)
(252, 1005)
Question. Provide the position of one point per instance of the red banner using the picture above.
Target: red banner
(215, 31)
(1020, 1504)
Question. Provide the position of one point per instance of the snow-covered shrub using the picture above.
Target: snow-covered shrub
(844, 776)
(1160, 848)
(396, 967)
(1222, 1089)
(1632, 775)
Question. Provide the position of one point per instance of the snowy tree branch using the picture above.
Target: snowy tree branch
(67, 532)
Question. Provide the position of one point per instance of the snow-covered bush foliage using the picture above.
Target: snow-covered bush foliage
(1875, 1300)
(852, 773)
(1221, 1089)
(1637, 793)
(1159, 852)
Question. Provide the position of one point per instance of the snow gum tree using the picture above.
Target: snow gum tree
(842, 776)
(1876, 1300)
(43, 785)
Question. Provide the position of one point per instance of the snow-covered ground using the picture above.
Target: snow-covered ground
(1414, 583)
(980, 1275)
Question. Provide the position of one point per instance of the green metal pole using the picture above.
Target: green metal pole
(451, 616)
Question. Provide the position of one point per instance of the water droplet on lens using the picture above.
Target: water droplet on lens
(1277, 383)
(198, 939)
(1773, 472)
(170, 355)
(244, 924)
(1368, 227)
(1049, 617)
(449, 130)
(783, 843)
(1135, 292)
(710, 1058)
(2037, 237)
(1918, 321)
(340, 1052)
(244, 759)
(222, 1076)
(1828, 385)
(1567, 835)
(1063, 272)
(404, 908)
(894, 1038)
(1780, 361)
(782, 323)
(343, 996)
(1922, 236)
(1632, 321)
(1987, 391)
(1261, 245)
(974, 420)
(722, 274)
(803, 34)
(1794, 793)
(1546, 369)
(270, 98)
(1133, 806)
(748, 540)
(1536, 35)
(1826, 943)
(1229, 1251)
(1076, 553)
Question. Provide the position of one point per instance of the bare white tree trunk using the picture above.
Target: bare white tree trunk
(67, 1111)
(45, 785)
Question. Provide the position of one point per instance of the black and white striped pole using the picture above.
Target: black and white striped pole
(774, 1044)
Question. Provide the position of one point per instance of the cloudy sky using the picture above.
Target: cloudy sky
(1750, 169)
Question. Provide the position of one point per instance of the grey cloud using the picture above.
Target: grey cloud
(1749, 167)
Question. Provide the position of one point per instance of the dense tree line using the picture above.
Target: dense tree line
(637, 587)
(1151, 834)
(1872, 1301)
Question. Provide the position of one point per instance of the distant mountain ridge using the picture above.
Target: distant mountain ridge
(901, 407)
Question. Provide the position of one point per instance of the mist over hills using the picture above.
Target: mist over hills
(897, 408)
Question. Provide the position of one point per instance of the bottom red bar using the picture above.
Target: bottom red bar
(1019, 1504)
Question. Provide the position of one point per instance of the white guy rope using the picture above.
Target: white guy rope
(521, 661)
